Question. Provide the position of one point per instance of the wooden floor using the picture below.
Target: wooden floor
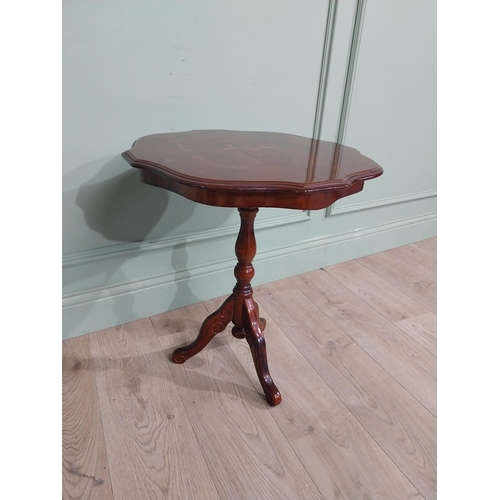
(352, 349)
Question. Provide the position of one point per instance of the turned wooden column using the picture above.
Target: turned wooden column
(241, 309)
(246, 320)
(245, 249)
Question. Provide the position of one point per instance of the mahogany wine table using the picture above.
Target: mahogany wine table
(248, 170)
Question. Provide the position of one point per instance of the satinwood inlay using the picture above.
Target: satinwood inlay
(251, 169)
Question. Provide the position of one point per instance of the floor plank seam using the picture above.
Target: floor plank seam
(377, 362)
(345, 405)
(409, 336)
(382, 277)
(378, 312)
(357, 420)
(104, 434)
(186, 411)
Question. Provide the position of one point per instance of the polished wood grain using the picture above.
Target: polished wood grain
(347, 427)
(251, 169)
(248, 170)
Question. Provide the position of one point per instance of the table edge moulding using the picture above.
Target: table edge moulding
(247, 171)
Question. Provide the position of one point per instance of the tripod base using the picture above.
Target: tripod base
(241, 309)
(252, 330)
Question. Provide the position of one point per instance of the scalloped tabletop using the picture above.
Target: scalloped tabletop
(251, 169)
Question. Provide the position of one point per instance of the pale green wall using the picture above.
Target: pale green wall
(134, 68)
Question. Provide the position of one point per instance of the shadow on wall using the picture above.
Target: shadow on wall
(121, 209)
(179, 262)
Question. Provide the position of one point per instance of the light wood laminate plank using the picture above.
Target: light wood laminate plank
(423, 262)
(423, 329)
(248, 455)
(428, 246)
(403, 276)
(407, 361)
(382, 296)
(339, 454)
(401, 426)
(85, 464)
(375, 291)
(321, 450)
(148, 436)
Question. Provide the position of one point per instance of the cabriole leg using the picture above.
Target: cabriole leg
(213, 324)
(255, 339)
